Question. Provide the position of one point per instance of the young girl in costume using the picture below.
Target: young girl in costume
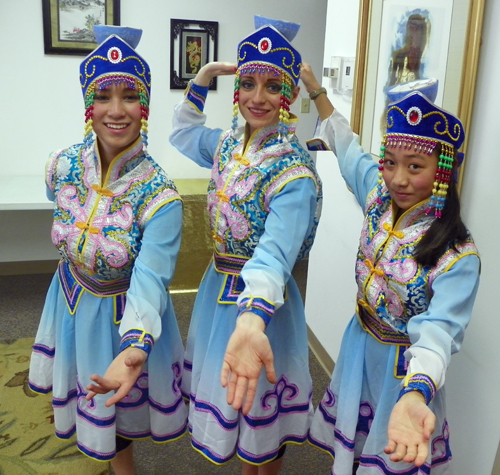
(263, 203)
(117, 225)
(417, 270)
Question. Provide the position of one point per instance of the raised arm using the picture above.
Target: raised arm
(321, 101)
(190, 136)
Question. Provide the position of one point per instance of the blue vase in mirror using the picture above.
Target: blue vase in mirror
(131, 35)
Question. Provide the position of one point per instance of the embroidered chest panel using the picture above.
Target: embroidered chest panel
(97, 229)
(390, 281)
(244, 182)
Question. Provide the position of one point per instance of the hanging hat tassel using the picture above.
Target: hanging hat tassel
(380, 182)
(284, 117)
(236, 100)
(144, 103)
(442, 181)
(88, 136)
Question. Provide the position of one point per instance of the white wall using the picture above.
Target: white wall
(42, 102)
(332, 258)
(473, 385)
(472, 380)
(42, 105)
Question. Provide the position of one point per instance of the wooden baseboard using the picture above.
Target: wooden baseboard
(321, 354)
(28, 267)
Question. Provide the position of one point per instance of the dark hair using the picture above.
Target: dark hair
(449, 230)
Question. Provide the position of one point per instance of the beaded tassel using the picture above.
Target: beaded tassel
(88, 136)
(144, 102)
(380, 182)
(286, 94)
(442, 181)
(236, 99)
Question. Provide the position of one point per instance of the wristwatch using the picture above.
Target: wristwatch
(313, 95)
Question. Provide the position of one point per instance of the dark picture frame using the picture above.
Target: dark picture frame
(192, 45)
(67, 24)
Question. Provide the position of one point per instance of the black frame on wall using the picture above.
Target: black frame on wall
(193, 43)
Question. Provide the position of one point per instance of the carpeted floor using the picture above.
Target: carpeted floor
(21, 301)
(28, 445)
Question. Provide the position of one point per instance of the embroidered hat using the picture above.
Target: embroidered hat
(269, 50)
(416, 122)
(114, 61)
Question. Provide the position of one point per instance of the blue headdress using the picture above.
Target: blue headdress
(416, 122)
(269, 50)
(115, 61)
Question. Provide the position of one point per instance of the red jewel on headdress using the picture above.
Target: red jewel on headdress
(114, 55)
(414, 116)
(265, 45)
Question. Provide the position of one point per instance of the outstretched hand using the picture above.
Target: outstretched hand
(410, 428)
(247, 351)
(120, 376)
(213, 69)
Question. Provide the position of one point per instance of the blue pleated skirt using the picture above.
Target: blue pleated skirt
(281, 412)
(69, 348)
(352, 419)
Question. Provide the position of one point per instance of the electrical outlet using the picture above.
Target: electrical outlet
(305, 104)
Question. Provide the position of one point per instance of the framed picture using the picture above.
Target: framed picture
(192, 45)
(68, 24)
(404, 44)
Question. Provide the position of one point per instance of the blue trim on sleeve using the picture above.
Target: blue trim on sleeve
(419, 382)
(137, 339)
(196, 95)
(259, 306)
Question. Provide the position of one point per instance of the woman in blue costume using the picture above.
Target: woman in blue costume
(417, 271)
(117, 225)
(263, 203)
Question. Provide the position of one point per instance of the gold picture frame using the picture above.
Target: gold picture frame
(462, 35)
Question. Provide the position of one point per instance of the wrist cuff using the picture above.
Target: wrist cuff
(259, 306)
(196, 95)
(137, 339)
(419, 382)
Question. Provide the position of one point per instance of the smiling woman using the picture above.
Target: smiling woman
(409, 176)
(116, 120)
(264, 202)
(417, 271)
(117, 226)
(260, 99)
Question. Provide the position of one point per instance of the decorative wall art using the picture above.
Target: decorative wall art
(68, 24)
(192, 45)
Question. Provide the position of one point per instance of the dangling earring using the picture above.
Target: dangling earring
(286, 94)
(88, 136)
